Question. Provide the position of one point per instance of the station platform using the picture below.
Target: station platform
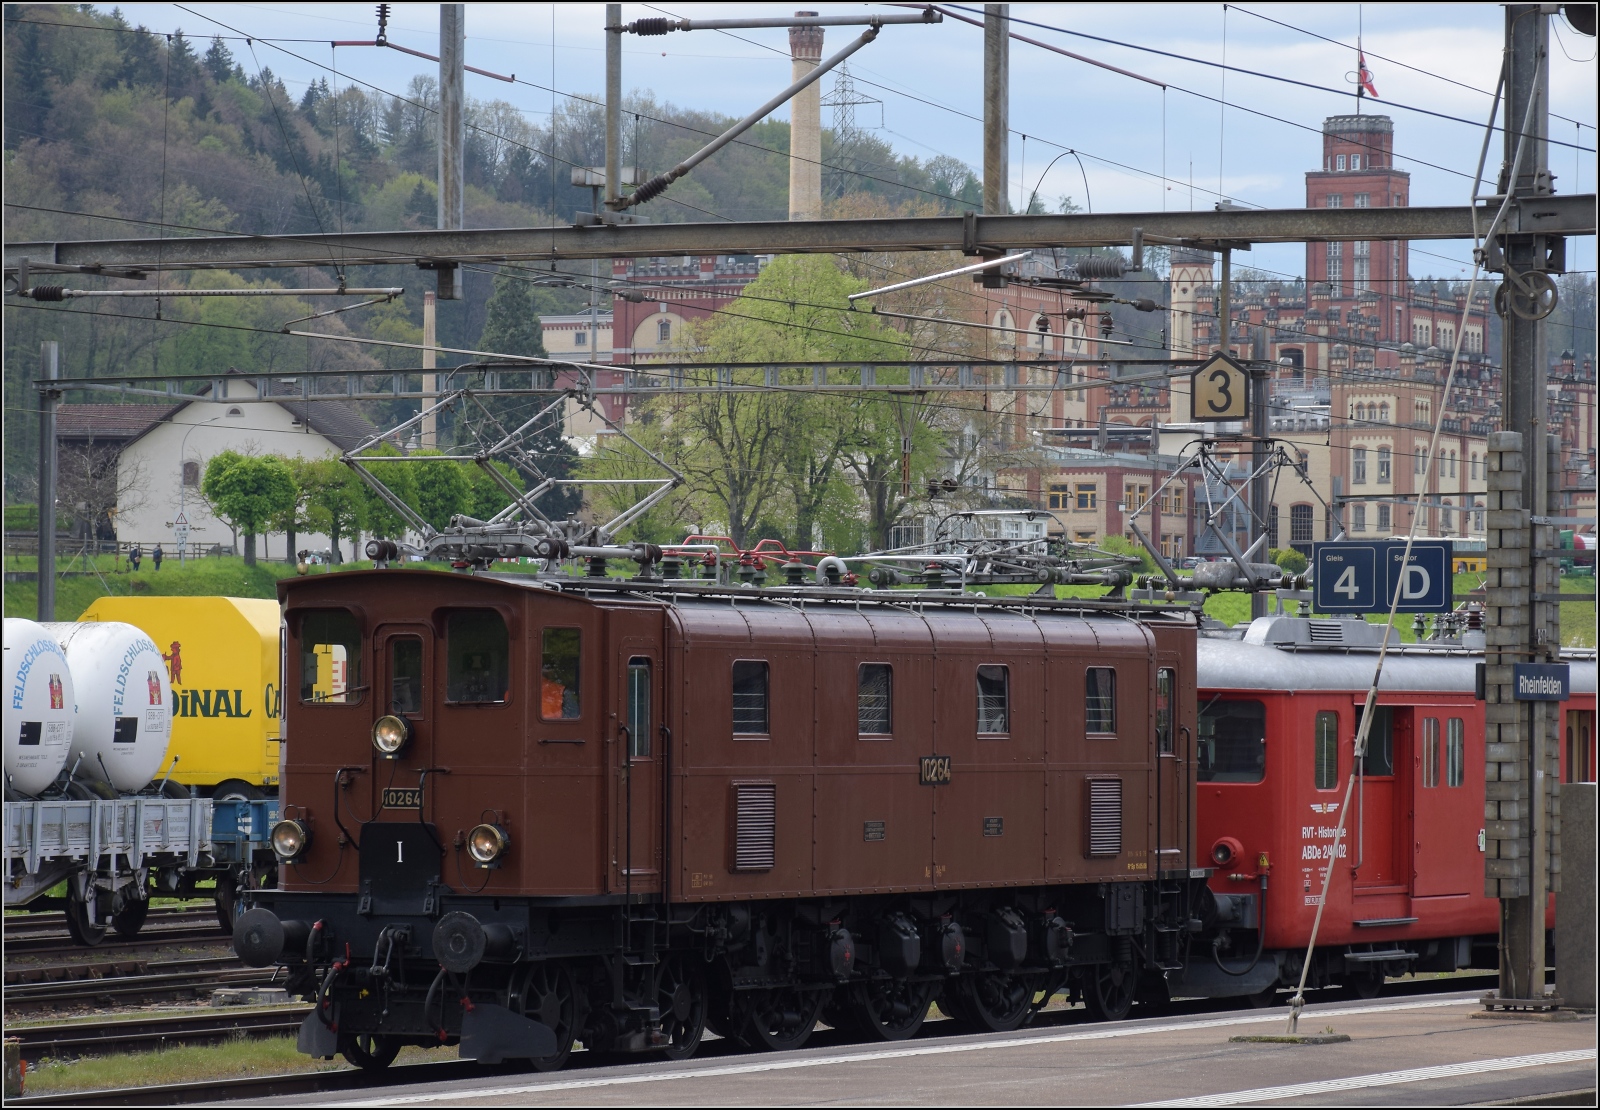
(1427, 1051)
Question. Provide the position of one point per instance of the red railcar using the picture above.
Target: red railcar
(523, 812)
(1278, 712)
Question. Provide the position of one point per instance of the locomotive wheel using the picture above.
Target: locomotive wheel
(888, 1009)
(992, 1002)
(79, 926)
(683, 1000)
(780, 1019)
(369, 1051)
(549, 997)
(1108, 990)
(130, 918)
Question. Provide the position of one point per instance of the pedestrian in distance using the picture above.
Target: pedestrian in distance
(156, 556)
(135, 557)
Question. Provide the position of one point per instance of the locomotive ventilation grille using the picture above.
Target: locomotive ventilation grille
(1105, 817)
(1327, 632)
(755, 826)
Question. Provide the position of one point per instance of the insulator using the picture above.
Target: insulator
(655, 25)
(652, 188)
(1145, 304)
(1101, 267)
(48, 293)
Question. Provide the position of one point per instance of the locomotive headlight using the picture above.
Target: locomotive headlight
(390, 735)
(486, 844)
(290, 839)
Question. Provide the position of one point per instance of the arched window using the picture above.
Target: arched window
(191, 474)
(1452, 464)
(664, 331)
(1358, 467)
(236, 411)
(1383, 413)
(1385, 464)
(1446, 518)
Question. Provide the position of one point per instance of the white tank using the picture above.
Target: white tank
(39, 708)
(124, 702)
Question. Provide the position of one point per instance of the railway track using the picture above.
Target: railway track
(45, 934)
(145, 1034)
(286, 1020)
(124, 982)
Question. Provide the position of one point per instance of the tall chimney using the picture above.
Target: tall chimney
(805, 126)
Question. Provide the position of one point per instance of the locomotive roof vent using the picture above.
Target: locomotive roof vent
(1284, 631)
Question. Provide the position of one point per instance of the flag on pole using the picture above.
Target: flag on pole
(1365, 76)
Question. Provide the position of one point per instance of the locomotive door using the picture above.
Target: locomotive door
(1444, 821)
(1382, 803)
(404, 679)
(1173, 770)
(636, 745)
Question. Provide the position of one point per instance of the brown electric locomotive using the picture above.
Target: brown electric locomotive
(521, 812)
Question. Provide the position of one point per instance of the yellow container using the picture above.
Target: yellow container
(222, 657)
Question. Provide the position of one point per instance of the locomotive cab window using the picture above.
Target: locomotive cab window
(994, 699)
(405, 675)
(1100, 701)
(478, 651)
(875, 699)
(330, 657)
(558, 674)
(639, 707)
(1233, 741)
(750, 697)
(1164, 683)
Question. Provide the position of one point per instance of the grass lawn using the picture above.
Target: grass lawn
(220, 576)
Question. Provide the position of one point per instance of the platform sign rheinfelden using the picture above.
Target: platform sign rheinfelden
(1362, 577)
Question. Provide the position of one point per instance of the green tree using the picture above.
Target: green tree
(512, 327)
(379, 516)
(334, 501)
(250, 492)
(444, 488)
(1289, 559)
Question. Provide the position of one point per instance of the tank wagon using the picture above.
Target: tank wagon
(522, 812)
(1278, 713)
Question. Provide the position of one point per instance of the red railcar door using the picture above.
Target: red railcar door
(1382, 808)
(636, 743)
(1446, 817)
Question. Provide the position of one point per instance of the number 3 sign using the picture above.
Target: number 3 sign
(1220, 390)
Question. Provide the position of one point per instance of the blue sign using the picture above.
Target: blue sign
(1363, 577)
(1541, 682)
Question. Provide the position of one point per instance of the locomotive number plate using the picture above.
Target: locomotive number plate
(935, 770)
(402, 797)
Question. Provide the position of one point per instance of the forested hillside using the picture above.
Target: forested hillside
(114, 131)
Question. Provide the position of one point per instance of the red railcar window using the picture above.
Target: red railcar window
(1456, 753)
(994, 699)
(875, 699)
(1326, 756)
(1100, 700)
(1233, 741)
(1379, 760)
(1430, 751)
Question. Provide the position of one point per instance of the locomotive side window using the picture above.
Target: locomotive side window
(558, 674)
(1326, 756)
(875, 699)
(750, 697)
(1379, 760)
(1164, 680)
(1455, 760)
(1233, 741)
(405, 675)
(330, 658)
(1580, 734)
(1100, 701)
(478, 650)
(639, 707)
(994, 699)
(1430, 751)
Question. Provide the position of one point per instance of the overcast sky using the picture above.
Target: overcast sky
(1141, 148)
